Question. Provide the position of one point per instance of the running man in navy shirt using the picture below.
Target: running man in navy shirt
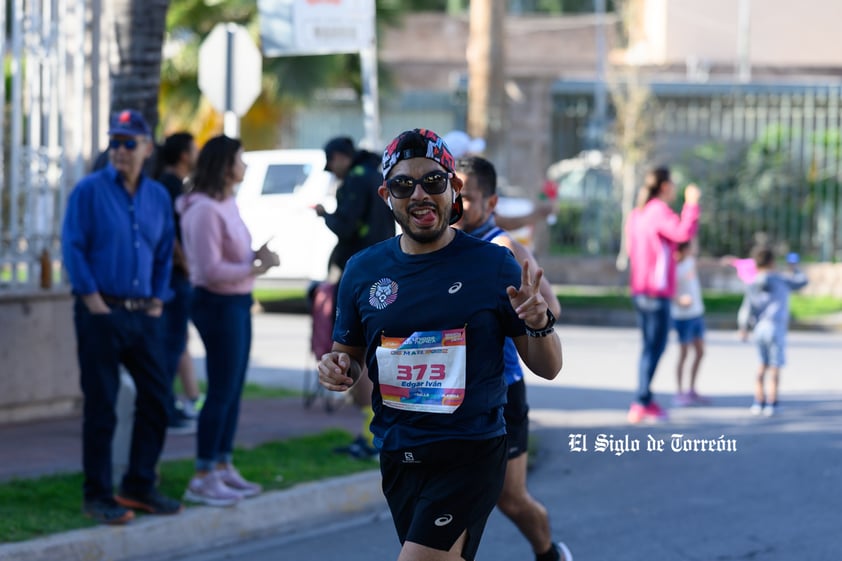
(428, 313)
(117, 243)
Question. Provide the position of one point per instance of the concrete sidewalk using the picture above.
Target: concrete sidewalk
(54, 446)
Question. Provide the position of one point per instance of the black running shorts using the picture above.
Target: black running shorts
(516, 414)
(439, 490)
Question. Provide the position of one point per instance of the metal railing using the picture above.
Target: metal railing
(44, 55)
(768, 157)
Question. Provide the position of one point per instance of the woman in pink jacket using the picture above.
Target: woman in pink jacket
(653, 231)
(222, 268)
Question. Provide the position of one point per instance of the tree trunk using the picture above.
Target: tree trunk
(486, 77)
(139, 27)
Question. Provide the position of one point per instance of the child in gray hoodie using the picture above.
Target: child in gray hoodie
(765, 311)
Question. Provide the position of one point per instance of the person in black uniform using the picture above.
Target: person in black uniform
(361, 219)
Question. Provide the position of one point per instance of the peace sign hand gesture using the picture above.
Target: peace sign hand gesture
(527, 300)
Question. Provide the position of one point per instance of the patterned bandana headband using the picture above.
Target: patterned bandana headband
(417, 143)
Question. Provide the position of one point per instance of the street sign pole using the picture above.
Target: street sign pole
(370, 98)
(370, 88)
(231, 122)
(232, 96)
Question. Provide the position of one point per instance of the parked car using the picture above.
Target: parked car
(276, 200)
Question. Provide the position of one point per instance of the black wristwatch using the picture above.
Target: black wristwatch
(544, 331)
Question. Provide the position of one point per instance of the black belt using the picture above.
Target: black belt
(130, 304)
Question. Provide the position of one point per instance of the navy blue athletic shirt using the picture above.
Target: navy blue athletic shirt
(385, 291)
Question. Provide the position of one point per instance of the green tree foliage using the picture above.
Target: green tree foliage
(287, 81)
(401, 6)
(556, 7)
(751, 191)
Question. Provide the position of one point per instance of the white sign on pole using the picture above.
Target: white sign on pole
(321, 27)
(313, 27)
(230, 69)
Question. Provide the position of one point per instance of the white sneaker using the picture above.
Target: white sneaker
(756, 408)
(565, 552)
(211, 490)
(191, 407)
(769, 409)
(233, 480)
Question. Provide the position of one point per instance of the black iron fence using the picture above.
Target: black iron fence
(767, 156)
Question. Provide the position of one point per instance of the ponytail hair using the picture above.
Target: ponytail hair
(655, 179)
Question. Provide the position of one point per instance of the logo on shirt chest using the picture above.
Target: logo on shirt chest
(382, 293)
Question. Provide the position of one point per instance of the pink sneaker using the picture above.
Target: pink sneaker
(653, 411)
(232, 479)
(636, 413)
(211, 490)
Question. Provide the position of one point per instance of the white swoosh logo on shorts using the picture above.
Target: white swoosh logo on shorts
(455, 287)
(444, 520)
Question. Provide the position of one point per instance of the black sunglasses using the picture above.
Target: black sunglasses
(433, 183)
(129, 143)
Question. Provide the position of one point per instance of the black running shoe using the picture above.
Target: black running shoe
(152, 502)
(107, 511)
(359, 449)
(181, 424)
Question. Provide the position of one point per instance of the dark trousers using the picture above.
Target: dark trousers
(224, 323)
(104, 341)
(653, 318)
(176, 317)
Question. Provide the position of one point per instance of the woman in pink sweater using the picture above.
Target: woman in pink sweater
(222, 267)
(653, 232)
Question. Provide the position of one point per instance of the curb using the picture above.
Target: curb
(150, 537)
(596, 317)
(628, 318)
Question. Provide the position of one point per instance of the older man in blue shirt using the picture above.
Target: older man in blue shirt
(117, 241)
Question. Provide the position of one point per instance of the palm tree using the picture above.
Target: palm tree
(486, 75)
(139, 35)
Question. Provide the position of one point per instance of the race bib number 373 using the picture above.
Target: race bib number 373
(423, 372)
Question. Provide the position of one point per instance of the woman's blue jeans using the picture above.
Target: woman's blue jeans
(224, 323)
(653, 318)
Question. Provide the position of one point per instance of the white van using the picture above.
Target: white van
(276, 200)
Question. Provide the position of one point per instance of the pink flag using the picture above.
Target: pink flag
(746, 269)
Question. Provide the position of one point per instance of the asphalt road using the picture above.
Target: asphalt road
(774, 494)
